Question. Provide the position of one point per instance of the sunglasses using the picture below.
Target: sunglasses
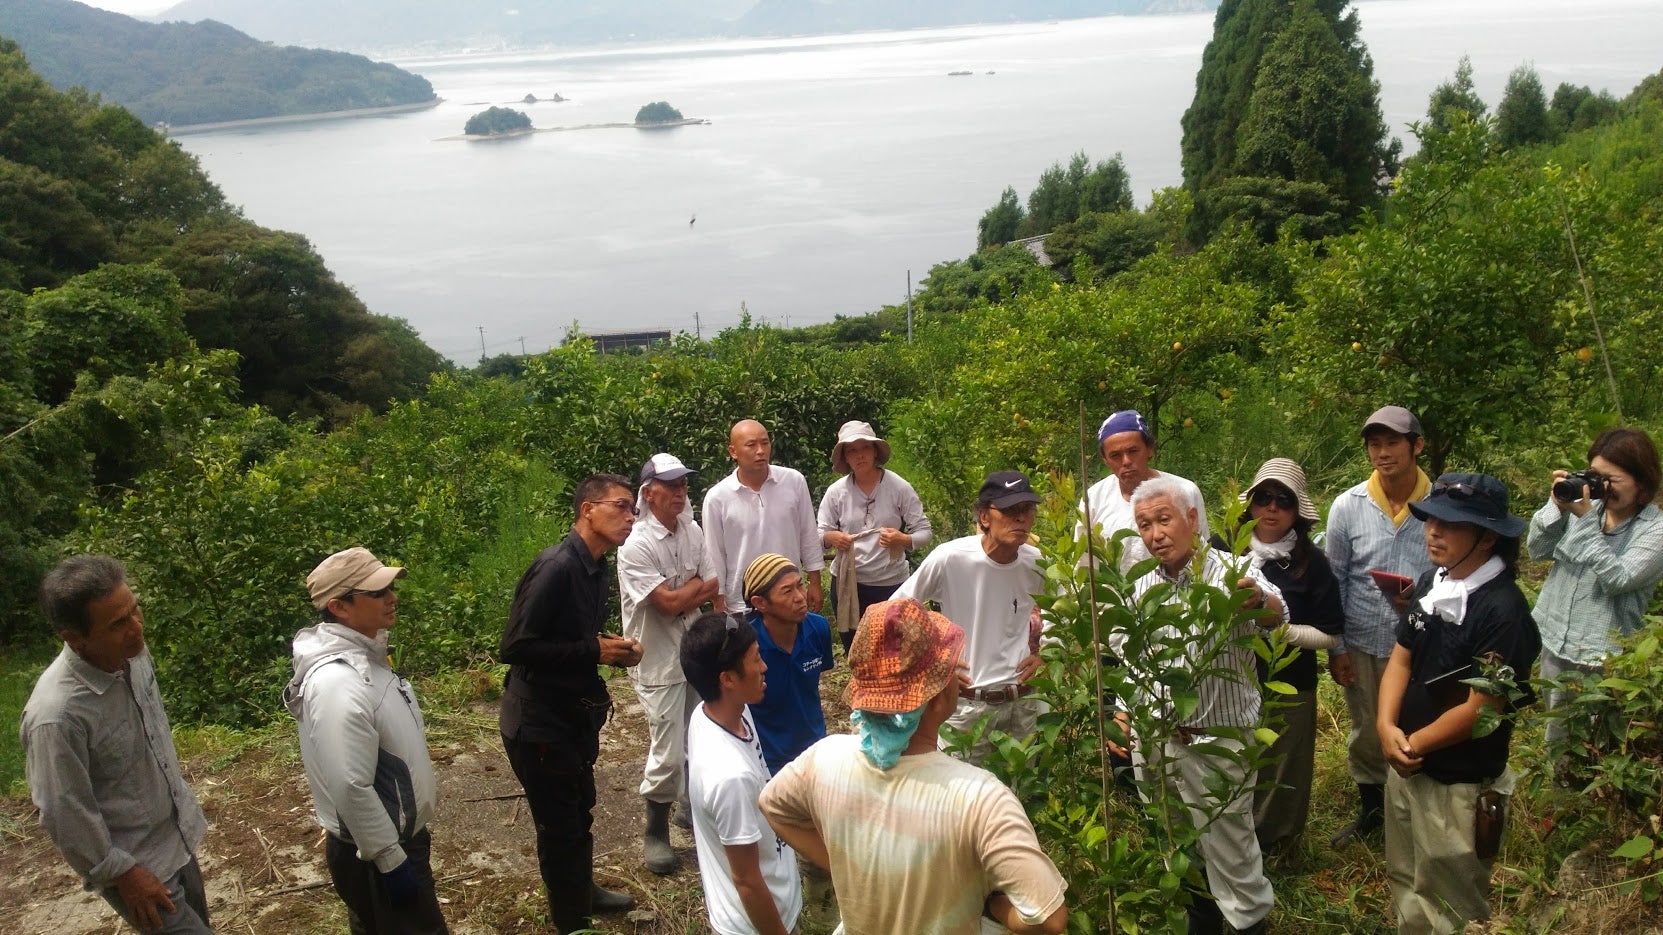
(622, 503)
(1281, 498)
(1455, 491)
(732, 628)
(378, 593)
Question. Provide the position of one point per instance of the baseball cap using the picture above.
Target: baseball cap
(354, 569)
(1006, 488)
(1396, 418)
(665, 467)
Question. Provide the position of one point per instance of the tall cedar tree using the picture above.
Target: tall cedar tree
(1315, 113)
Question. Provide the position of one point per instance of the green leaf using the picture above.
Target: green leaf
(1282, 688)
(1635, 848)
(1265, 735)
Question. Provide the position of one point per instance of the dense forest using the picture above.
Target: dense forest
(182, 73)
(135, 304)
(200, 397)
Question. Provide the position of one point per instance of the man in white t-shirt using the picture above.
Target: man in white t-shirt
(986, 584)
(916, 841)
(663, 579)
(748, 873)
(1126, 446)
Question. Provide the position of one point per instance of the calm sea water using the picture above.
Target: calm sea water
(831, 166)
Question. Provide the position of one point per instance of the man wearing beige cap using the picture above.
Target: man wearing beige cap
(365, 749)
(867, 805)
(664, 578)
(1372, 530)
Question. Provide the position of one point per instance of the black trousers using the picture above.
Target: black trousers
(558, 776)
(368, 910)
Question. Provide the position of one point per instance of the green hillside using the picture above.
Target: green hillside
(185, 73)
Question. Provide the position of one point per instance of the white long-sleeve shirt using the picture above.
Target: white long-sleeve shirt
(741, 523)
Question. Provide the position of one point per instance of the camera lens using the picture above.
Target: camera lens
(1569, 489)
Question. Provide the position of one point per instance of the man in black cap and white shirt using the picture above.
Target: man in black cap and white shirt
(986, 584)
(664, 577)
(365, 749)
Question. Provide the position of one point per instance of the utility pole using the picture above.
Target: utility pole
(522, 345)
(698, 328)
(909, 306)
(482, 344)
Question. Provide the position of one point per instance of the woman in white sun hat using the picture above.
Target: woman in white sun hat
(872, 517)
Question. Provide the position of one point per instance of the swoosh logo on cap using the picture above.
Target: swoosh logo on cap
(1012, 483)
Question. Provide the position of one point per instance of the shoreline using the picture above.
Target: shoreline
(280, 119)
(487, 137)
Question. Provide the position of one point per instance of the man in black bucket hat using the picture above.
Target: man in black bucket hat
(1447, 793)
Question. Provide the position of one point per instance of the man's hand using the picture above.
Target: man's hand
(1339, 666)
(1122, 720)
(1399, 753)
(617, 651)
(814, 596)
(841, 541)
(707, 589)
(891, 538)
(145, 897)
(403, 883)
(1026, 668)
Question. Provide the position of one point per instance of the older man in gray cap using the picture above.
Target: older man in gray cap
(1377, 548)
(664, 577)
(365, 749)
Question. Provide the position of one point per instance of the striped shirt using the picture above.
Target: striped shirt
(1601, 581)
(103, 772)
(1361, 538)
(1225, 700)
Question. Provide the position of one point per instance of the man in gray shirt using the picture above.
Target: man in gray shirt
(100, 760)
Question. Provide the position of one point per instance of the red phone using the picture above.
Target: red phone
(1391, 584)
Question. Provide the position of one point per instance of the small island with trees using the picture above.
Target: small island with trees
(497, 122)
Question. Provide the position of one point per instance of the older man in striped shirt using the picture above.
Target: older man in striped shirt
(1167, 523)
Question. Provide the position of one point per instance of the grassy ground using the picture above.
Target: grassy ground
(19, 667)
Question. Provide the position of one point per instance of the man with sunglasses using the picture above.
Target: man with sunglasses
(554, 700)
(1467, 620)
(986, 584)
(664, 577)
(365, 749)
(1372, 529)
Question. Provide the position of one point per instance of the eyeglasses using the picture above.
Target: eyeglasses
(378, 593)
(1282, 499)
(1455, 491)
(622, 503)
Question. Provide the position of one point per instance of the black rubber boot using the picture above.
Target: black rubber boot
(1204, 917)
(1371, 815)
(655, 841)
(605, 900)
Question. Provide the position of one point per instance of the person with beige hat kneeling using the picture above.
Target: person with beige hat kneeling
(866, 806)
(365, 748)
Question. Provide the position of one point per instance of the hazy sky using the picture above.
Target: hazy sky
(132, 7)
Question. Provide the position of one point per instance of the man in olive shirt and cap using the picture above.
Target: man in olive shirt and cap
(100, 759)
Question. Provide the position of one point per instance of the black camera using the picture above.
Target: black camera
(1570, 487)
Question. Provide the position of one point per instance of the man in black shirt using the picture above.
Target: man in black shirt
(554, 701)
(1464, 617)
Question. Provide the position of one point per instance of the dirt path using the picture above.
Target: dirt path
(263, 858)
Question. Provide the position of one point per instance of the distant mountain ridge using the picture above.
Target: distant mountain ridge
(196, 73)
(440, 25)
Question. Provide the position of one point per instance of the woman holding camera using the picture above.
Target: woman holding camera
(1606, 540)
